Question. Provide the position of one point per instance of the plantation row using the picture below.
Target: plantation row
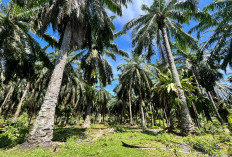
(170, 79)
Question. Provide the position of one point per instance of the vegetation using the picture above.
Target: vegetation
(173, 94)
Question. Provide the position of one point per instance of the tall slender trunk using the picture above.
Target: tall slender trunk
(99, 118)
(60, 120)
(6, 98)
(215, 108)
(152, 115)
(42, 131)
(142, 111)
(21, 102)
(88, 116)
(186, 121)
(197, 82)
(123, 112)
(196, 115)
(142, 114)
(166, 117)
(130, 109)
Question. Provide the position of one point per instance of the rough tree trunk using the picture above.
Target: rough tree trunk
(21, 102)
(152, 116)
(88, 117)
(142, 111)
(186, 121)
(6, 99)
(130, 109)
(215, 108)
(99, 118)
(42, 131)
(142, 115)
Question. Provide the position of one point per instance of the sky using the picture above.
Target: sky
(124, 42)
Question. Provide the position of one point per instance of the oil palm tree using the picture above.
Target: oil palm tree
(102, 99)
(76, 21)
(97, 69)
(220, 43)
(18, 49)
(205, 76)
(161, 22)
(137, 75)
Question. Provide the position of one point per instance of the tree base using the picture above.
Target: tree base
(28, 145)
(87, 126)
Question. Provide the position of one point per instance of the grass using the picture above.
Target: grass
(110, 145)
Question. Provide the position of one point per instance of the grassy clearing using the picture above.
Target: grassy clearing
(77, 142)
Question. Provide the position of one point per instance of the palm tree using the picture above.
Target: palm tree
(163, 19)
(137, 75)
(18, 49)
(220, 39)
(97, 69)
(102, 99)
(205, 75)
(76, 21)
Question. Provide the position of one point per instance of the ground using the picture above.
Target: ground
(106, 141)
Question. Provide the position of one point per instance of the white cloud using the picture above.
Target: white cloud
(133, 10)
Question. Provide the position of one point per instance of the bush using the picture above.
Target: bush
(210, 147)
(225, 138)
(229, 150)
(211, 128)
(15, 132)
(119, 129)
(70, 143)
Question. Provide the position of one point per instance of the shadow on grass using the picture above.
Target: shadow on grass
(166, 130)
(62, 134)
(9, 139)
(148, 132)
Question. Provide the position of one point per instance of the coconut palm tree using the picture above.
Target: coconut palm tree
(162, 21)
(76, 21)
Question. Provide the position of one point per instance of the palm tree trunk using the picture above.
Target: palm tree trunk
(21, 102)
(88, 117)
(130, 109)
(60, 120)
(142, 115)
(186, 121)
(152, 116)
(215, 108)
(99, 118)
(6, 98)
(42, 131)
(142, 111)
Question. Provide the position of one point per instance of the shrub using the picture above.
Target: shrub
(225, 138)
(229, 150)
(211, 128)
(119, 129)
(70, 143)
(210, 147)
(15, 132)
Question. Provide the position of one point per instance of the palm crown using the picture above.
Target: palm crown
(147, 27)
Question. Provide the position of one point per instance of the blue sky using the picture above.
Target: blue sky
(124, 42)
